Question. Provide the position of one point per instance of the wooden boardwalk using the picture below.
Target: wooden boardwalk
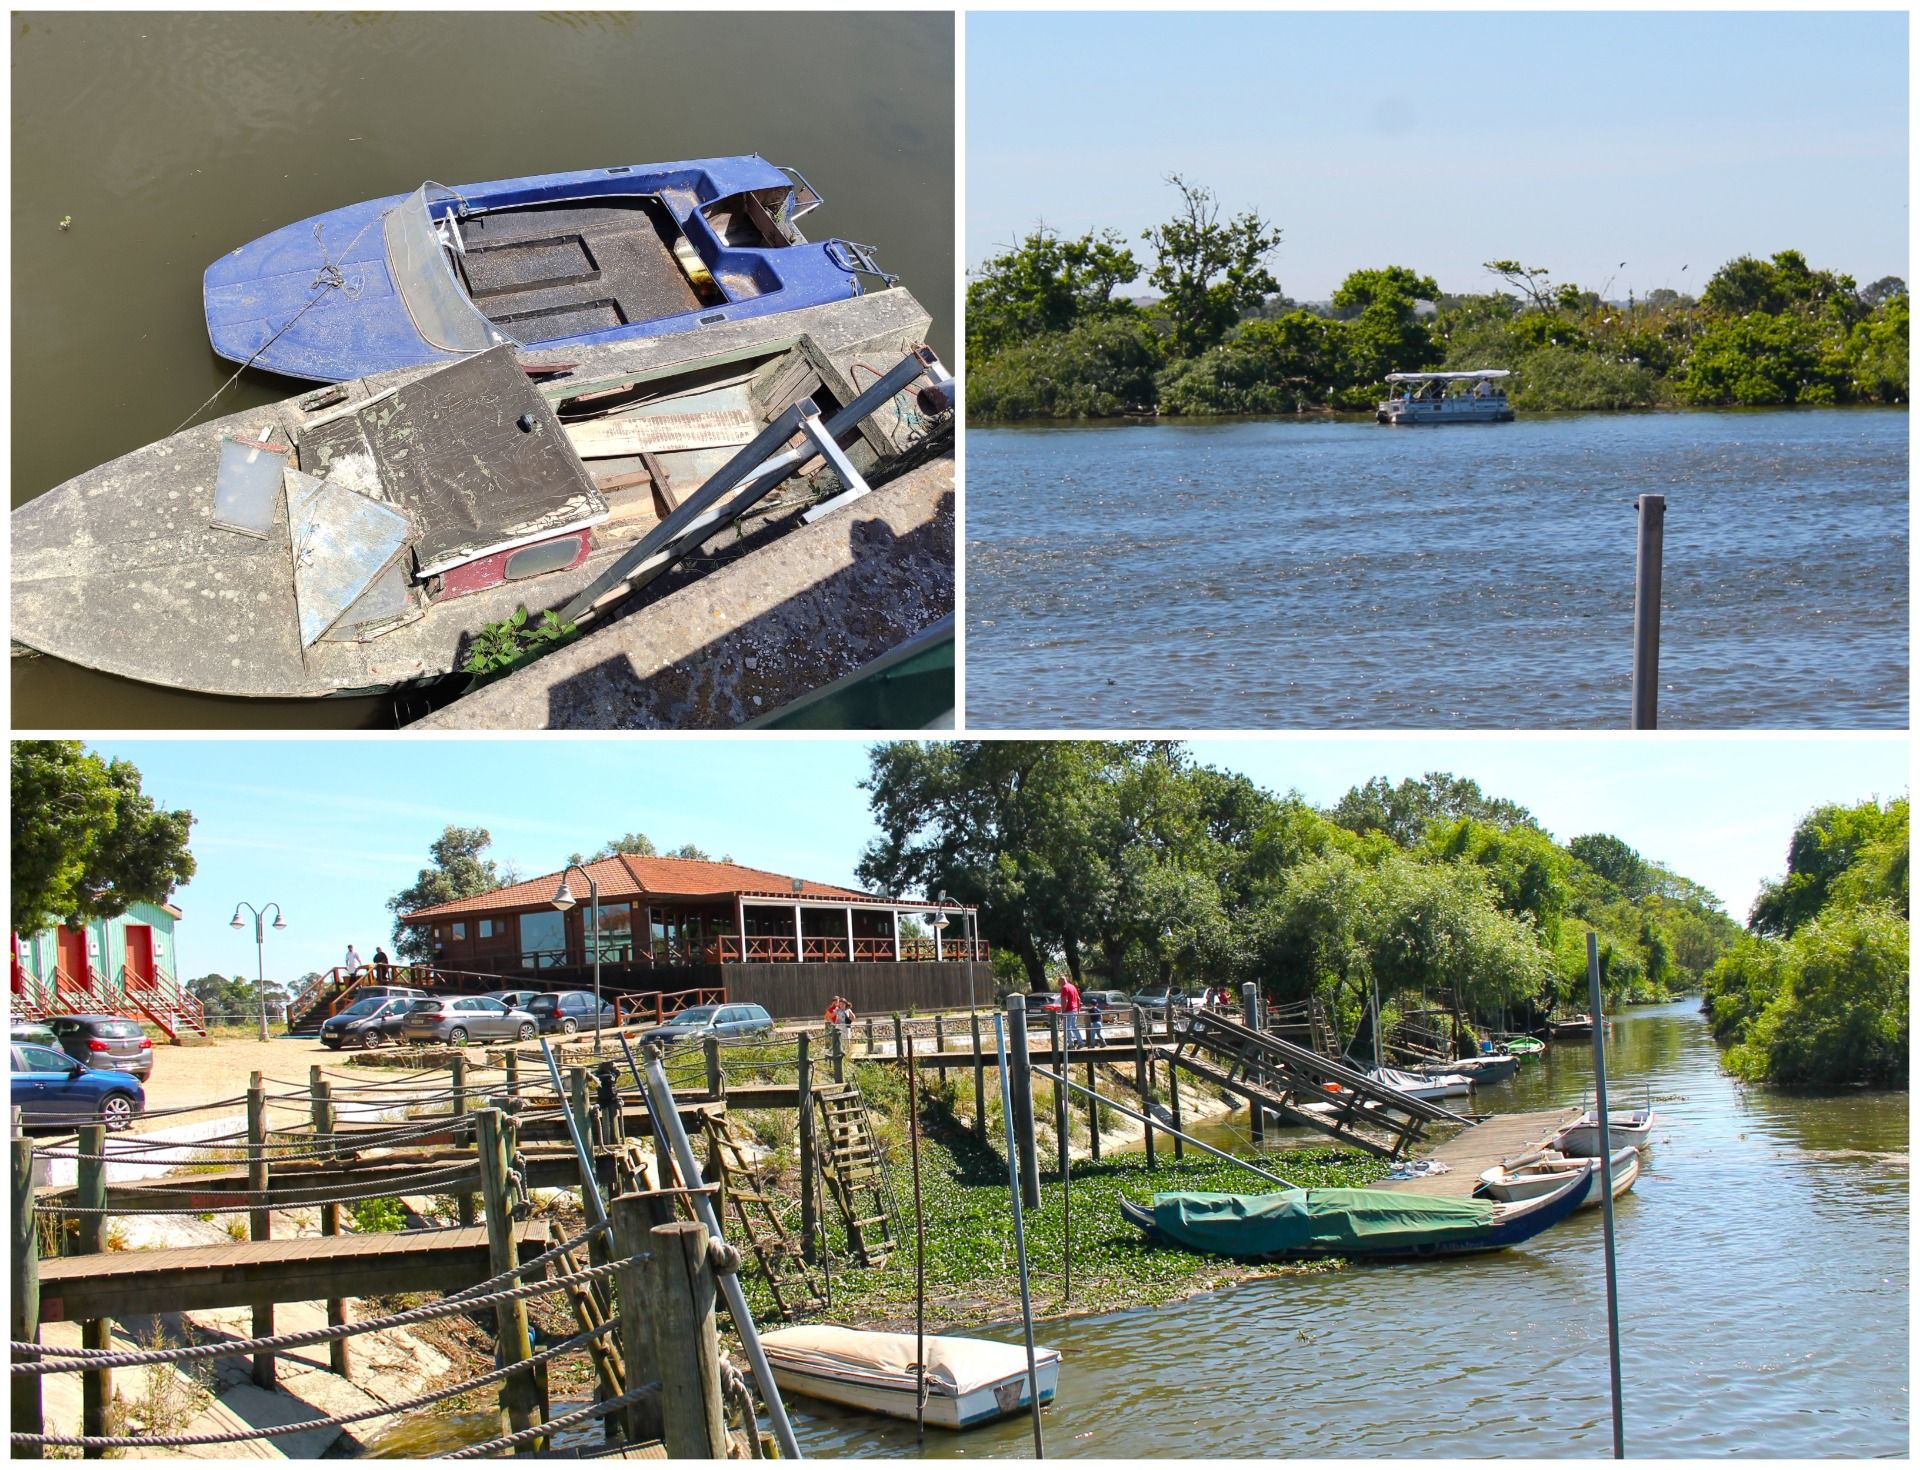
(1468, 1152)
(311, 1268)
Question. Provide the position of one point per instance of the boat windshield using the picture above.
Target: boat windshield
(417, 262)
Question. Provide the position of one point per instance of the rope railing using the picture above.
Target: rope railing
(444, 1181)
(332, 1421)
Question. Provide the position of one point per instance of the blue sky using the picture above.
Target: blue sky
(329, 829)
(1442, 139)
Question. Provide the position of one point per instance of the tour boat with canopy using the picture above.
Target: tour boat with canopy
(550, 260)
(1433, 397)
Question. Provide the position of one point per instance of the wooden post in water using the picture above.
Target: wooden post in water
(518, 1392)
(809, 1206)
(338, 1357)
(23, 1315)
(679, 1307)
(632, 1217)
(1250, 1018)
(462, 1201)
(96, 1385)
(259, 1221)
(1646, 613)
(979, 1080)
(1143, 1077)
(1020, 1093)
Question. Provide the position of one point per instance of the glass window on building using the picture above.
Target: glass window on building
(543, 939)
(615, 937)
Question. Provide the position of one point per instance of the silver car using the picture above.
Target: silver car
(455, 1020)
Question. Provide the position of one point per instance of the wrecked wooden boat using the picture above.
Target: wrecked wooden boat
(364, 536)
(552, 260)
(969, 1380)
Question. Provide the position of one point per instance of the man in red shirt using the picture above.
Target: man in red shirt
(1070, 1009)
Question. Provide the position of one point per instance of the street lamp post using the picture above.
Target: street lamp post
(941, 923)
(563, 900)
(259, 949)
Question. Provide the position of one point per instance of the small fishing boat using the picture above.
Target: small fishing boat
(1510, 1184)
(969, 1380)
(1480, 1071)
(1429, 398)
(1429, 1086)
(1580, 1139)
(553, 260)
(1570, 1028)
(1353, 1224)
(1526, 1048)
(367, 535)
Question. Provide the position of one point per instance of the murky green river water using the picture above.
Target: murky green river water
(1763, 1290)
(170, 138)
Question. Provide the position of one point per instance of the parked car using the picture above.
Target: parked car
(37, 1033)
(109, 1043)
(519, 1000)
(727, 1022)
(1164, 1000)
(367, 1022)
(1109, 999)
(54, 1090)
(458, 1019)
(387, 992)
(568, 1011)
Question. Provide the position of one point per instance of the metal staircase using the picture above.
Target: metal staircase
(1300, 1085)
(855, 1173)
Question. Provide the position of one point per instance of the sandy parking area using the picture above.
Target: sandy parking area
(219, 1071)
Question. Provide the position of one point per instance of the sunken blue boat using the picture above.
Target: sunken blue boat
(554, 260)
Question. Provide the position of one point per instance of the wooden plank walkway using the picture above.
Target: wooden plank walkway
(311, 1268)
(1480, 1147)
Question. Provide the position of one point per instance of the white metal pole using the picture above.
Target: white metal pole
(1606, 1182)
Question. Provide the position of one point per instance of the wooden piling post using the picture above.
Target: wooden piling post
(579, 1101)
(716, 1079)
(979, 1079)
(24, 1301)
(323, 1130)
(809, 1205)
(1020, 1091)
(1143, 1077)
(899, 1038)
(518, 1392)
(632, 1216)
(463, 1203)
(513, 1078)
(1646, 612)
(96, 1385)
(259, 1220)
(680, 1309)
(869, 1035)
(1093, 1113)
(1250, 1018)
(940, 1048)
(837, 1054)
(1173, 1086)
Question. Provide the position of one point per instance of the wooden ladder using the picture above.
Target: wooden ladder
(795, 1285)
(855, 1173)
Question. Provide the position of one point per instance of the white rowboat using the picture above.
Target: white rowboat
(969, 1380)
(1581, 1138)
(1547, 1173)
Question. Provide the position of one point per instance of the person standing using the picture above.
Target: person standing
(382, 964)
(353, 964)
(1096, 1018)
(1070, 1009)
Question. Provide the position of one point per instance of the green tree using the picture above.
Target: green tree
(1839, 1008)
(1758, 359)
(459, 870)
(1278, 365)
(1784, 283)
(1403, 812)
(637, 843)
(1623, 869)
(1877, 354)
(1209, 272)
(1384, 334)
(1859, 850)
(1044, 284)
(1099, 369)
(88, 843)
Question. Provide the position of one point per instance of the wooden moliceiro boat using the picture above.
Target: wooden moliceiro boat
(557, 260)
(1354, 1224)
(360, 537)
(969, 1380)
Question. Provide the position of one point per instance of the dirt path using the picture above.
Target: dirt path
(219, 1071)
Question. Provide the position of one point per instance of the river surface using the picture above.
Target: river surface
(1256, 574)
(1763, 1280)
(170, 138)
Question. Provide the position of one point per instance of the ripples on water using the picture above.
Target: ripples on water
(1763, 1291)
(1313, 573)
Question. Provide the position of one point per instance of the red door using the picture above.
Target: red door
(73, 957)
(139, 956)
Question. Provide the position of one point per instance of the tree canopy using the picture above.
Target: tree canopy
(88, 843)
(459, 869)
(1209, 272)
(1045, 284)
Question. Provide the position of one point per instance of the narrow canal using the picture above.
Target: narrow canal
(1265, 573)
(1763, 1289)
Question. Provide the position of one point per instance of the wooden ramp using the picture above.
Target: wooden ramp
(1466, 1154)
(1301, 1086)
(195, 1278)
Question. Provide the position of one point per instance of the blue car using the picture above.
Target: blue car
(557, 260)
(53, 1090)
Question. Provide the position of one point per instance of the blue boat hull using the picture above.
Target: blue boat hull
(323, 299)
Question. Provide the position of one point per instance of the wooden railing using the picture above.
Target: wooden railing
(661, 1006)
(162, 1002)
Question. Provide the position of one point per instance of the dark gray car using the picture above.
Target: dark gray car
(569, 1011)
(367, 1023)
(458, 1019)
(105, 1043)
(727, 1021)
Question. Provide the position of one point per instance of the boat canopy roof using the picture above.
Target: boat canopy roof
(1449, 377)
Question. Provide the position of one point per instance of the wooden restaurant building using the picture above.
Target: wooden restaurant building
(677, 924)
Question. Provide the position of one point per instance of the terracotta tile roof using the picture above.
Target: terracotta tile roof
(630, 876)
